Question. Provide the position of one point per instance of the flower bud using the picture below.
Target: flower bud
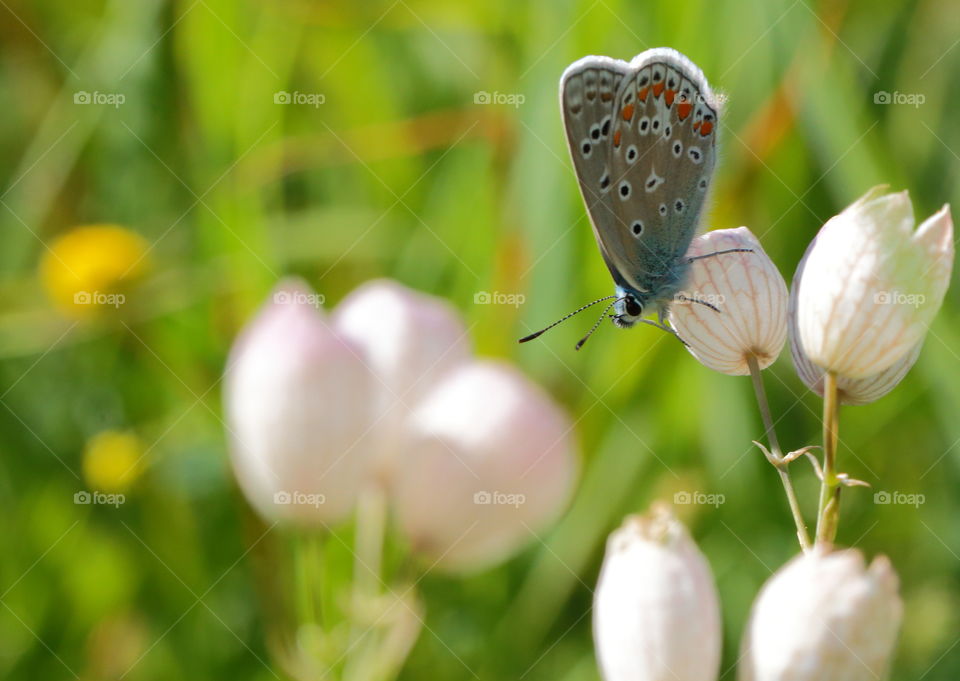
(298, 402)
(750, 301)
(656, 614)
(849, 390)
(408, 340)
(823, 616)
(872, 284)
(487, 461)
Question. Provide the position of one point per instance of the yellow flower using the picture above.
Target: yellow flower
(90, 268)
(111, 461)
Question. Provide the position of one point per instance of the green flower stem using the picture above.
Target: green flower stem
(308, 567)
(829, 511)
(777, 458)
(371, 525)
(365, 646)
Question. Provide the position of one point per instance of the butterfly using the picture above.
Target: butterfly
(642, 136)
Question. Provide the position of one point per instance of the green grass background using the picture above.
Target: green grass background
(399, 173)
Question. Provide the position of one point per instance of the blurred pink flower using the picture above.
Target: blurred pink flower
(297, 405)
(409, 340)
(475, 457)
(488, 462)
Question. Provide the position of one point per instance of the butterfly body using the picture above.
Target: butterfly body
(642, 136)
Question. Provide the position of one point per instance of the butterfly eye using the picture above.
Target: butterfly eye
(632, 307)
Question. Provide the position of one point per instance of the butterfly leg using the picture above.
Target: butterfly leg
(729, 250)
(662, 325)
(685, 299)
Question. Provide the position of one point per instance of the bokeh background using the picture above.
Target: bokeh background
(387, 162)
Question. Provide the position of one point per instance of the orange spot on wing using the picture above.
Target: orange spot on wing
(668, 97)
(657, 88)
(696, 126)
(606, 96)
(642, 94)
(684, 109)
(706, 128)
(628, 112)
(616, 138)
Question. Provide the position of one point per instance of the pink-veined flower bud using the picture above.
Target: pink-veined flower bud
(409, 340)
(823, 616)
(734, 305)
(656, 613)
(872, 284)
(849, 390)
(298, 404)
(488, 461)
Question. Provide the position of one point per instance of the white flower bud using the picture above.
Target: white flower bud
(872, 284)
(488, 461)
(751, 300)
(298, 401)
(823, 616)
(849, 390)
(656, 614)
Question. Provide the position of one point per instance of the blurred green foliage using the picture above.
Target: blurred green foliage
(400, 173)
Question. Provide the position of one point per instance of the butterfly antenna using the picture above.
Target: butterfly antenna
(596, 324)
(565, 318)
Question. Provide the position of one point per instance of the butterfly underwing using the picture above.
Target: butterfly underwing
(642, 136)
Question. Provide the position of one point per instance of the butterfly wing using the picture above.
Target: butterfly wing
(588, 90)
(662, 154)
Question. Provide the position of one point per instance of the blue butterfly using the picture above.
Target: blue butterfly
(642, 136)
